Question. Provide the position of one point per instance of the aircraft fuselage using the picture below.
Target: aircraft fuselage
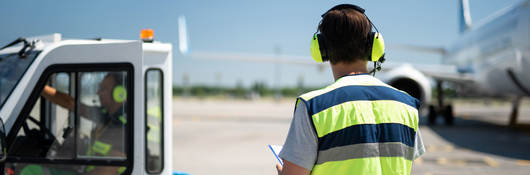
(496, 53)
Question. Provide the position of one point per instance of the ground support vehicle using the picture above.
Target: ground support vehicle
(117, 125)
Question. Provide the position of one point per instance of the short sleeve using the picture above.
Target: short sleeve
(301, 143)
(419, 148)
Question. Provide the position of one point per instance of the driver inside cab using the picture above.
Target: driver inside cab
(107, 137)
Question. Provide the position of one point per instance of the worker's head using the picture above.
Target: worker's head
(111, 92)
(347, 35)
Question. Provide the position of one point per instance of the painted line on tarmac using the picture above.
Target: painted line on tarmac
(418, 161)
(490, 162)
(451, 162)
(440, 148)
(442, 161)
(522, 162)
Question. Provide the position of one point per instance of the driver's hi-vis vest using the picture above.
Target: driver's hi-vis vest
(100, 148)
(364, 126)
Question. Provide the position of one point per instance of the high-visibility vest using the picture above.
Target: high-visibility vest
(364, 126)
(103, 149)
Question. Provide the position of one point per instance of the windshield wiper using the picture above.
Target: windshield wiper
(28, 46)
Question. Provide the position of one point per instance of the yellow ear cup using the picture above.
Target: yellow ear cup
(315, 49)
(378, 47)
(119, 94)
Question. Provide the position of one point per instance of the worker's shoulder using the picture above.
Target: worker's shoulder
(350, 80)
(359, 81)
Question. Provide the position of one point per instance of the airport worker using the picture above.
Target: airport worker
(358, 124)
(110, 122)
(112, 96)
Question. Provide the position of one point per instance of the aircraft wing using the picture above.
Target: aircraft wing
(254, 57)
(443, 72)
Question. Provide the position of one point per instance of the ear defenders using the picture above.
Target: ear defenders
(119, 94)
(318, 43)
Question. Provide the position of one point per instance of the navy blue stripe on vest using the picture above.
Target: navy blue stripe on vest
(368, 133)
(355, 93)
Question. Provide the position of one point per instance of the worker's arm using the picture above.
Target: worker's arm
(62, 99)
(291, 169)
(299, 152)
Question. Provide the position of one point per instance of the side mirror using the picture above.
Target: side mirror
(3, 146)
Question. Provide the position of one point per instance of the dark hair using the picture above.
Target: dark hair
(346, 32)
(116, 78)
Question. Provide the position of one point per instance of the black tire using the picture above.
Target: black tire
(431, 117)
(448, 115)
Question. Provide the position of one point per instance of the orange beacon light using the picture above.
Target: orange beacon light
(147, 35)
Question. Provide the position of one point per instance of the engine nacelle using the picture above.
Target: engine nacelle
(408, 79)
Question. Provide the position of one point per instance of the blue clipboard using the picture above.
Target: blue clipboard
(276, 151)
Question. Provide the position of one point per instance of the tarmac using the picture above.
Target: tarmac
(227, 136)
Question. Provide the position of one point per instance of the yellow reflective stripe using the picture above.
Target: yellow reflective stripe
(153, 134)
(101, 148)
(364, 112)
(155, 112)
(90, 168)
(123, 119)
(372, 166)
(121, 169)
(357, 80)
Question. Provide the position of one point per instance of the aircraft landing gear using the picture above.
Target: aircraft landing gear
(445, 111)
(515, 111)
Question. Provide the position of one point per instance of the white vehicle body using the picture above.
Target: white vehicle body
(67, 55)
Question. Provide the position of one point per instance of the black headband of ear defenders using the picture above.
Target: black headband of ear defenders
(344, 6)
(350, 6)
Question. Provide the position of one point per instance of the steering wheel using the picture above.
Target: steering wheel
(42, 129)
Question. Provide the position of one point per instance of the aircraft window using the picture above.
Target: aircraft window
(61, 128)
(154, 124)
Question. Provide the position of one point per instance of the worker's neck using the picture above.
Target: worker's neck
(343, 69)
(114, 108)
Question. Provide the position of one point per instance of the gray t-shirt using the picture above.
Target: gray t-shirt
(301, 144)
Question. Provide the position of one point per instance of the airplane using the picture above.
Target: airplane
(489, 58)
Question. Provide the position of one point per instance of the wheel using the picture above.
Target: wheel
(431, 117)
(448, 115)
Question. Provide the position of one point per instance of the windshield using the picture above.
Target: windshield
(12, 67)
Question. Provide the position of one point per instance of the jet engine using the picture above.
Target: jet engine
(408, 79)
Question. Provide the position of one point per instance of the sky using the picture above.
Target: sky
(241, 26)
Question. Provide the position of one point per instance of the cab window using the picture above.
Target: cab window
(154, 117)
(73, 123)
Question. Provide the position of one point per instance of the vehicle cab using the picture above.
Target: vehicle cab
(86, 106)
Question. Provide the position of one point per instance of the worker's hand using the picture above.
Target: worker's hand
(291, 169)
(279, 168)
